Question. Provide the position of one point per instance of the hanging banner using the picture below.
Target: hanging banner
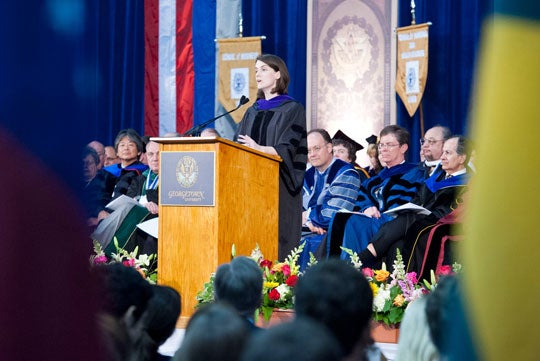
(412, 65)
(236, 59)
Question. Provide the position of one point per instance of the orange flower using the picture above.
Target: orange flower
(381, 275)
(399, 300)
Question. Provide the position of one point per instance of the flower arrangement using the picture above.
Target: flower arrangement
(144, 264)
(279, 280)
(392, 292)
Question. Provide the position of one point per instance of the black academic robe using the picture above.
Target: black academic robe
(436, 194)
(284, 128)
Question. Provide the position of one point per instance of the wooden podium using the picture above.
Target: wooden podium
(193, 239)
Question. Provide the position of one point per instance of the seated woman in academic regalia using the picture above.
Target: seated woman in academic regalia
(122, 223)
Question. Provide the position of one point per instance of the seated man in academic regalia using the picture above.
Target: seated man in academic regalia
(330, 185)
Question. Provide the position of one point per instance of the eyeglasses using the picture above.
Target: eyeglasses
(429, 141)
(387, 145)
(315, 149)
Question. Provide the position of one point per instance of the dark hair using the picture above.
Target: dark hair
(240, 284)
(350, 148)
(463, 147)
(334, 293)
(215, 332)
(132, 135)
(276, 63)
(323, 133)
(121, 288)
(302, 339)
(163, 311)
(90, 151)
(402, 135)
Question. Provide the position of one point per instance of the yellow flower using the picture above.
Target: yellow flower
(381, 275)
(270, 285)
(398, 300)
(374, 288)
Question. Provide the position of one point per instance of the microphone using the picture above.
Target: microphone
(196, 130)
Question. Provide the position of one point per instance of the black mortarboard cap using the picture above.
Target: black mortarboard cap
(372, 139)
(340, 135)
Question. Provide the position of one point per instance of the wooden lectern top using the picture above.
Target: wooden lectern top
(199, 140)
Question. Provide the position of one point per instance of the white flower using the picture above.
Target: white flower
(256, 254)
(283, 290)
(382, 296)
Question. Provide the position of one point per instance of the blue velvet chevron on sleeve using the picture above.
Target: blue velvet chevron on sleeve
(340, 192)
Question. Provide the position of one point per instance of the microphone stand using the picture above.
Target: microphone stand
(197, 129)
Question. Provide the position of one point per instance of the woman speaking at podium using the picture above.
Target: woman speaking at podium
(276, 124)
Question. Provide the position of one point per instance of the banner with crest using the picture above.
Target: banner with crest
(412, 64)
(236, 59)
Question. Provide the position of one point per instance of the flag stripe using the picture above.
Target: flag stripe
(185, 74)
(151, 87)
(167, 66)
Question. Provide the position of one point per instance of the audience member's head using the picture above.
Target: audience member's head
(334, 293)
(90, 161)
(215, 332)
(100, 150)
(110, 156)
(124, 297)
(123, 290)
(415, 342)
(239, 283)
(162, 313)
(300, 340)
(157, 323)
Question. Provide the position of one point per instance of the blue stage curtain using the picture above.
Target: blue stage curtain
(117, 42)
(453, 49)
(284, 25)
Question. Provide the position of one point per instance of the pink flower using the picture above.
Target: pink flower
(286, 269)
(274, 295)
(411, 276)
(129, 262)
(444, 270)
(100, 259)
(368, 272)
